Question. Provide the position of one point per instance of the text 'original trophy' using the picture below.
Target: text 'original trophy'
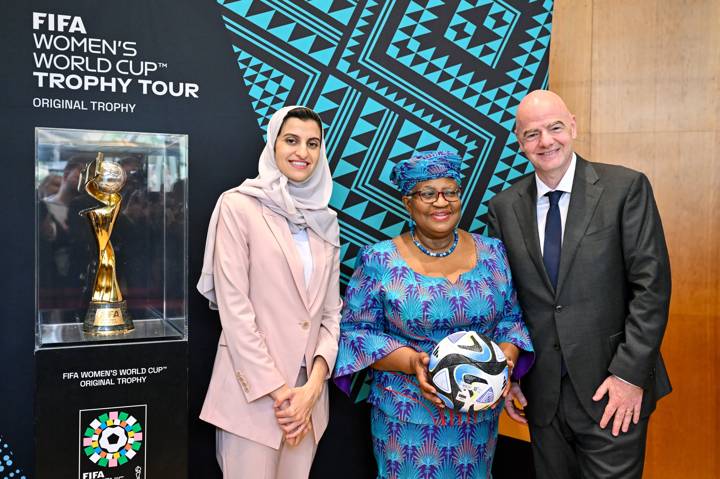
(107, 313)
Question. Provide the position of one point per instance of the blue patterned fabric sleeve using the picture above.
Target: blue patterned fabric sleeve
(363, 330)
(511, 328)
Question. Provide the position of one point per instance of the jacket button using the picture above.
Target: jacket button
(558, 308)
(556, 347)
(305, 324)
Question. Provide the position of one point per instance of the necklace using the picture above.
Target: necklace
(439, 254)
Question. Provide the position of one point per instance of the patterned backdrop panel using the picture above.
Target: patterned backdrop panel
(391, 78)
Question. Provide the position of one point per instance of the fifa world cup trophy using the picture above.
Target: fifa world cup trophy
(107, 313)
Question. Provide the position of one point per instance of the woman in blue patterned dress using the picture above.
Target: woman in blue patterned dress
(407, 294)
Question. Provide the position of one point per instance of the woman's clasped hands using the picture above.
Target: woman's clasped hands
(293, 406)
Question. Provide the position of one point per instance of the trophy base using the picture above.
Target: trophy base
(106, 319)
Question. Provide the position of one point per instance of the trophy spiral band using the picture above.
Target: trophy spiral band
(107, 313)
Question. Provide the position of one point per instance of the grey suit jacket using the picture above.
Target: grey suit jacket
(610, 309)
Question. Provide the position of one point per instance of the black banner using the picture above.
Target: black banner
(135, 66)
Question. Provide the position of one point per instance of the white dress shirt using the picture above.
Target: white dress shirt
(302, 243)
(303, 247)
(543, 202)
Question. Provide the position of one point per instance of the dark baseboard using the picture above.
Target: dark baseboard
(513, 459)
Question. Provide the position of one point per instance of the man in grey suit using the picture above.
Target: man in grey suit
(590, 265)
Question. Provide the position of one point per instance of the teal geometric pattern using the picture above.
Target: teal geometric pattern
(483, 28)
(268, 88)
(390, 78)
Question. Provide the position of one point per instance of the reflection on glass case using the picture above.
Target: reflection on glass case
(111, 236)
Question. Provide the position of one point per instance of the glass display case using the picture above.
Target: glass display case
(110, 237)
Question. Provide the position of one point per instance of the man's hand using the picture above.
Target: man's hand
(624, 403)
(515, 394)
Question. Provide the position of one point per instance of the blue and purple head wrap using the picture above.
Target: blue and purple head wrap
(423, 166)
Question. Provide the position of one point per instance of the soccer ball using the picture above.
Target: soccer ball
(468, 370)
(111, 177)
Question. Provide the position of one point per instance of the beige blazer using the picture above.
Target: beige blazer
(270, 319)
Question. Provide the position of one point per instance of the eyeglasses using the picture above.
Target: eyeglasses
(534, 135)
(430, 195)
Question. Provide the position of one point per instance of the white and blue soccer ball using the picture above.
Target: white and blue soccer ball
(468, 370)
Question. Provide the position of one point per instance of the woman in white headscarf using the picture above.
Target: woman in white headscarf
(271, 267)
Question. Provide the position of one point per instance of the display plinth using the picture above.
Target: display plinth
(110, 304)
(114, 411)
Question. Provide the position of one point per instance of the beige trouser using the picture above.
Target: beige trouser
(241, 458)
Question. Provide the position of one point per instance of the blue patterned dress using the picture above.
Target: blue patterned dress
(387, 306)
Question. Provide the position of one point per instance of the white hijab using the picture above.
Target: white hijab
(304, 205)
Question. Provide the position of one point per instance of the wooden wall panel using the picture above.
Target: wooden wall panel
(624, 54)
(572, 35)
(683, 182)
(713, 462)
(643, 79)
(686, 84)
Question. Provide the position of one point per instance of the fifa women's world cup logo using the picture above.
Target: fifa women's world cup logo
(107, 313)
(113, 443)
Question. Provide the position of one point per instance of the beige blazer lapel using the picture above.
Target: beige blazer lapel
(319, 251)
(281, 231)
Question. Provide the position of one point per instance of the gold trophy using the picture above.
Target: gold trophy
(107, 313)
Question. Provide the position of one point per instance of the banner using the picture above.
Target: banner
(393, 78)
(129, 75)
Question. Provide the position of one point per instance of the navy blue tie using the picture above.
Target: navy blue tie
(553, 237)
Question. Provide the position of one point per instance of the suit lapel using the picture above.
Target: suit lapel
(583, 202)
(319, 255)
(281, 231)
(525, 207)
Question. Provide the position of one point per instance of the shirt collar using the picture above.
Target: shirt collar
(565, 183)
